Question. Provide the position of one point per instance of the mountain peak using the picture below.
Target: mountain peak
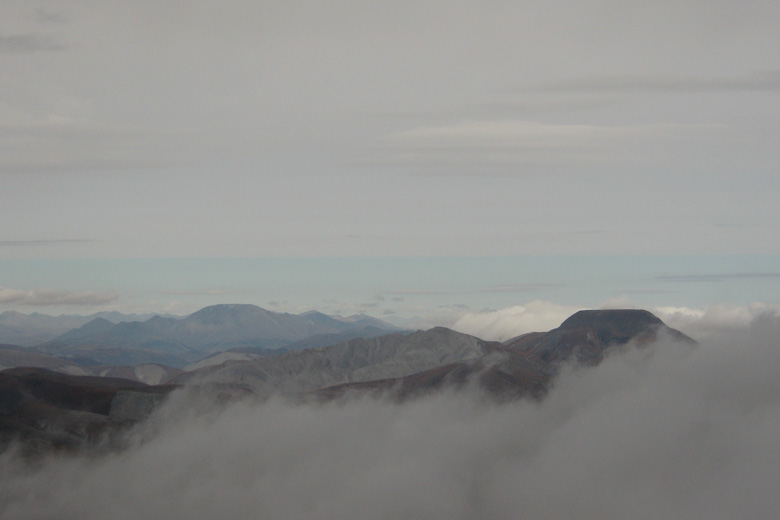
(623, 319)
(95, 326)
(588, 334)
(224, 311)
(221, 307)
(11, 314)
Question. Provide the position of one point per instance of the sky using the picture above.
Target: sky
(405, 158)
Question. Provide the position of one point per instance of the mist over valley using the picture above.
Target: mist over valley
(612, 414)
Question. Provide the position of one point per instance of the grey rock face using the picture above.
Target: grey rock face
(394, 355)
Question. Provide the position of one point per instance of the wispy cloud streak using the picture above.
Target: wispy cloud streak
(38, 297)
(765, 81)
(702, 278)
(27, 43)
(33, 243)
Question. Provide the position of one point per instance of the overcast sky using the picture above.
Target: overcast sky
(350, 128)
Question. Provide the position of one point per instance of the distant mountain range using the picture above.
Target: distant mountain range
(114, 339)
(396, 365)
(33, 329)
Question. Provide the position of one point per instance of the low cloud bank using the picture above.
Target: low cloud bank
(506, 323)
(667, 432)
(717, 321)
(40, 297)
(714, 321)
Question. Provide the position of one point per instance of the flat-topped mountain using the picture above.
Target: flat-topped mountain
(588, 334)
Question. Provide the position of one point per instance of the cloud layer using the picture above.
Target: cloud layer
(40, 297)
(538, 316)
(667, 433)
(506, 323)
(459, 129)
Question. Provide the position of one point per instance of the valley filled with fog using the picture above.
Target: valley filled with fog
(664, 431)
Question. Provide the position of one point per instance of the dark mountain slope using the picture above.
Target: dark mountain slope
(44, 410)
(588, 335)
(12, 356)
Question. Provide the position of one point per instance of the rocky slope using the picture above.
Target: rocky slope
(526, 365)
(47, 409)
(362, 359)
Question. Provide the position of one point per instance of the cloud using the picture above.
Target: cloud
(539, 315)
(39, 297)
(204, 292)
(696, 278)
(34, 243)
(512, 321)
(716, 320)
(513, 142)
(417, 292)
(763, 81)
(648, 434)
(620, 302)
(50, 141)
(519, 287)
(25, 43)
(46, 16)
(496, 141)
(533, 135)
